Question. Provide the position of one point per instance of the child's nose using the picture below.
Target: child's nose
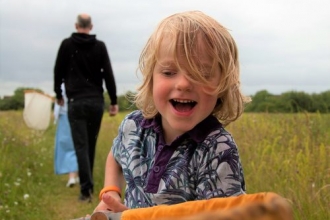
(183, 83)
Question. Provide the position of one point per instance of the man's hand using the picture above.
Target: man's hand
(113, 110)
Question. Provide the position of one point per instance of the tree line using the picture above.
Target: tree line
(262, 101)
(289, 102)
(16, 101)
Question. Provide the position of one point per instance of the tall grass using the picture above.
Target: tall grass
(283, 153)
(29, 189)
(288, 154)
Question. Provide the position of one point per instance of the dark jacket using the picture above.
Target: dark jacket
(83, 63)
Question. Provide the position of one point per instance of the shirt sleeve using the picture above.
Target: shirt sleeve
(56, 112)
(116, 145)
(125, 137)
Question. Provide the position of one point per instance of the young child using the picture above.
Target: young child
(175, 148)
(65, 159)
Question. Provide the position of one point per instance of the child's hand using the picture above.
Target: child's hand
(110, 202)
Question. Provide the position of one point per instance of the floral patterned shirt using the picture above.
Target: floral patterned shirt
(202, 163)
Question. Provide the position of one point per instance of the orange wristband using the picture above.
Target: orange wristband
(109, 188)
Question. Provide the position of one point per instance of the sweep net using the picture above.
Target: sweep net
(37, 109)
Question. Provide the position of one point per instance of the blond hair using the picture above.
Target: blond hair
(189, 32)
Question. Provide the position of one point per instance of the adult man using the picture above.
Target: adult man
(83, 64)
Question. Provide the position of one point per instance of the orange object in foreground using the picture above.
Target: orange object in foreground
(259, 206)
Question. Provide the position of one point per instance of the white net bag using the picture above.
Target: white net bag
(37, 109)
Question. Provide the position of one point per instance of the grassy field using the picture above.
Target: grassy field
(283, 153)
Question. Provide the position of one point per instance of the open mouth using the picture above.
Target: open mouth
(183, 105)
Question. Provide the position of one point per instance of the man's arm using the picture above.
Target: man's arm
(59, 71)
(108, 76)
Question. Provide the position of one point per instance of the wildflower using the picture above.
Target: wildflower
(26, 196)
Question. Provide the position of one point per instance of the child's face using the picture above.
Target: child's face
(181, 103)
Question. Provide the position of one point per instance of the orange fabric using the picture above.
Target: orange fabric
(191, 208)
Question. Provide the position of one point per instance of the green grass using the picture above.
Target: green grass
(283, 153)
(29, 189)
(288, 154)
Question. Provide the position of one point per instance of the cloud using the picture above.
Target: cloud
(283, 45)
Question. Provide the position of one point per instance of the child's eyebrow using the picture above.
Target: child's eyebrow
(166, 62)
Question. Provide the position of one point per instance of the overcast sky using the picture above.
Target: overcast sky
(284, 45)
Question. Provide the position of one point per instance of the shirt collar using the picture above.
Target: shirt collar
(198, 133)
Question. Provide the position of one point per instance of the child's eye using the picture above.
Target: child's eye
(168, 73)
